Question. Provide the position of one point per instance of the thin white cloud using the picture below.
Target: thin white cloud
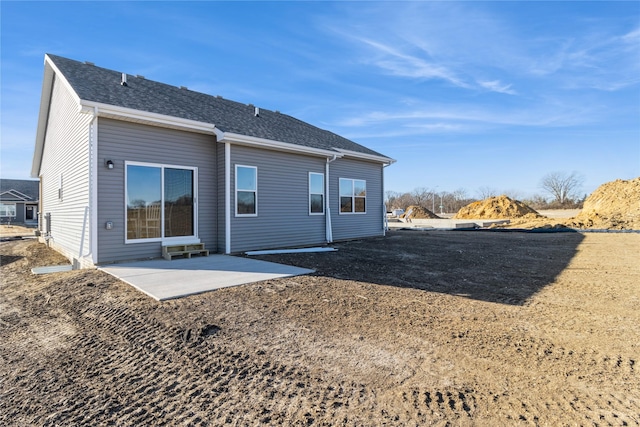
(479, 48)
(403, 64)
(433, 42)
(406, 130)
(463, 118)
(497, 86)
(591, 59)
(632, 36)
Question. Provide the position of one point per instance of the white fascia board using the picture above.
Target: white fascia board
(16, 194)
(64, 81)
(365, 156)
(43, 114)
(253, 141)
(50, 71)
(106, 110)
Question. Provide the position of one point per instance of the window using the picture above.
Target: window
(160, 201)
(246, 190)
(8, 209)
(353, 195)
(316, 193)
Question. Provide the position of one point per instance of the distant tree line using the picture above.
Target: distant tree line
(563, 191)
(429, 199)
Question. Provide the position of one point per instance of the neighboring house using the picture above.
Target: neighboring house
(128, 165)
(19, 201)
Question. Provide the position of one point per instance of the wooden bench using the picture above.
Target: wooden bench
(169, 251)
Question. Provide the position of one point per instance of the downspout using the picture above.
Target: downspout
(90, 209)
(227, 196)
(385, 220)
(93, 233)
(327, 217)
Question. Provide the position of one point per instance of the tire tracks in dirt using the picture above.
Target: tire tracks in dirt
(89, 350)
(172, 376)
(144, 371)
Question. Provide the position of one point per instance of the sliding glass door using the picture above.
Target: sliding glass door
(160, 201)
(178, 202)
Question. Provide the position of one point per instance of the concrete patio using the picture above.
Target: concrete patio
(162, 279)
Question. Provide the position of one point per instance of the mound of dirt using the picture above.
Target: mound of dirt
(613, 205)
(418, 212)
(500, 207)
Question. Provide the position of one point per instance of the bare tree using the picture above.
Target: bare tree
(459, 198)
(513, 194)
(428, 198)
(537, 201)
(562, 186)
(486, 192)
(391, 198)
(460, 194)
(396, 200)
(420, 196)
(390, 194)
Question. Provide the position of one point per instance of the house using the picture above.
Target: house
(129, 165)
(19, 201)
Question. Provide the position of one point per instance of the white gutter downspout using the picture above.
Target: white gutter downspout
(92, 207)
(327, 217)
(385, 220)
(227, 196)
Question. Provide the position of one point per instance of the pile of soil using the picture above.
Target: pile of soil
(614, 205)
(500, 207)
(418, 212)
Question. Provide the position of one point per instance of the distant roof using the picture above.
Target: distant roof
(100, 85)
(19, 190)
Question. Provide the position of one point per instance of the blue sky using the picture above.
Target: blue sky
(462, 94)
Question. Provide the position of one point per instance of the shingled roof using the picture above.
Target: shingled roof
(100, 85)
(19, 190)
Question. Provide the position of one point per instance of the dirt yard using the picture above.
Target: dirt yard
(7, 232)
(418, 328)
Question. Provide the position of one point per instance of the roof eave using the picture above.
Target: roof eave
(253, 141)
(145, 117)
(365, 156)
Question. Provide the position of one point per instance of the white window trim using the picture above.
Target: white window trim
(239, 215)
(162, 238)
(322, 194)
(353, 198)
(15, 209)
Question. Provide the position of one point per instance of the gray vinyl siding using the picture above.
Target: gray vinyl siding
(66, 153)
(350, 226)
(20, 214)
(283, 218)
(221, 197)
(121, 141)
